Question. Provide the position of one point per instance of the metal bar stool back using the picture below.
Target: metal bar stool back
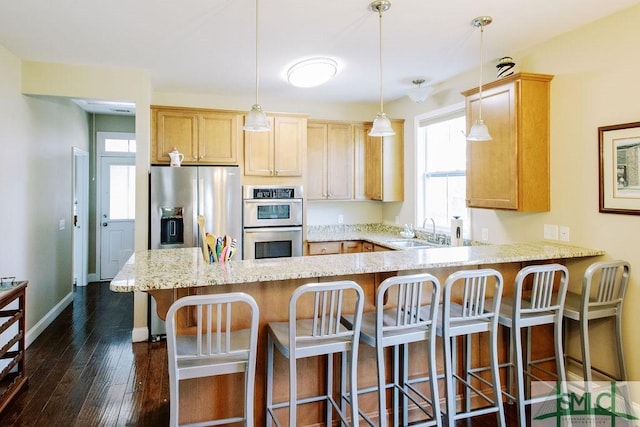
(215, 342)
(603, 290)
(320, 333)
(479, 293)
(406, 310)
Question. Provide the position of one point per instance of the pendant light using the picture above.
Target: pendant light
(381, 125)
(479, 131)
(256, 119)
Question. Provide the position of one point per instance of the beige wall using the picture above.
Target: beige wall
(595, 84)
(35, 192)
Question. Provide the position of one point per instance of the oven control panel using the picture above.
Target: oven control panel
(254, 192)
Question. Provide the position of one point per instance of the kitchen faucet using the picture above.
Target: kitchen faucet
(433, 225)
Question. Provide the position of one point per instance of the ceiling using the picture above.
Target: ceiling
(208, 46)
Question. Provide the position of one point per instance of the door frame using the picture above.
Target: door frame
(80, 215)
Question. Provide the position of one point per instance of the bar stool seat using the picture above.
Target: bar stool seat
(321, 334)
(477, 312)
(603, 290)
(406, 310)
(539, 305)
(218, 344)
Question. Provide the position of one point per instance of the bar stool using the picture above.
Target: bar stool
(477, 312)
(219, 344)
(540, 305)
(603, 289)
(406, 312)
(321, 334)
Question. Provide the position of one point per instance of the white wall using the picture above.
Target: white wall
(595, 84)
(35, 192)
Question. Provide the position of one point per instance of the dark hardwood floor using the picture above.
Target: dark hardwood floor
(84, 371)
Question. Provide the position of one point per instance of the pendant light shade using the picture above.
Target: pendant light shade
(479, 131)
(256, 120)
(381, 124)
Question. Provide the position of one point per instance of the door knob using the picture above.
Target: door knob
(104, 224)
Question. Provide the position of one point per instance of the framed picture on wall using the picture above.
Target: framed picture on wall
(619, 148)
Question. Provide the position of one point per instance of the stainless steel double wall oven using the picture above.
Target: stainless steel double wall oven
(272, 221)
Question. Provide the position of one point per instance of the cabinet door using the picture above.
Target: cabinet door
(351, 246)
(175, 129)
(219, 138)
(339, 161)
(258, 152)
(289, 144)
(316, 187)
(359, 140)
(492, 173)
(373, 167)
(323, 248)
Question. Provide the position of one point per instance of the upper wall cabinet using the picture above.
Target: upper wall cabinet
(203, 136)
(384, 165)
(512, 170)
(278, 152)
(330, 150)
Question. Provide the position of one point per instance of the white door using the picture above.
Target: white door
(80, 216)
(116, 209)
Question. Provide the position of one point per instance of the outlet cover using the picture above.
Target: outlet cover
(485, 235)
(564, 233)
(340, 219)
(550, 232)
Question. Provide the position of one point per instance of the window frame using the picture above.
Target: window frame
(421, 122)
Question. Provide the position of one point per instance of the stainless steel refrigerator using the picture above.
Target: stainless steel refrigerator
(177, 197)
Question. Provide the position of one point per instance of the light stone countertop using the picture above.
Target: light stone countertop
(182, 268)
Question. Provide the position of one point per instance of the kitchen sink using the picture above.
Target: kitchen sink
(412, 244)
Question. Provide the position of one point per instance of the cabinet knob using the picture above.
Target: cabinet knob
(195, 157)
(323, 250)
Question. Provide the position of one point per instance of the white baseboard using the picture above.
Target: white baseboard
(46, 320)
(140, 334)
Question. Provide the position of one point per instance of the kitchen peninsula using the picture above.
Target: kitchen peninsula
(169, 274)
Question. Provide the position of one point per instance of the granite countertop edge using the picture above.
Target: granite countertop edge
(162, 269)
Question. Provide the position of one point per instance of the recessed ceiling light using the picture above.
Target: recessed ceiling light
(312, 72)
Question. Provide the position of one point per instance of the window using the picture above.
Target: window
(441, 166)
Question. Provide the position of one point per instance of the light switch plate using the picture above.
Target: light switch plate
(551, 232)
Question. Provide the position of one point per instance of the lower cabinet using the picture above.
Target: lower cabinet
(343, 247)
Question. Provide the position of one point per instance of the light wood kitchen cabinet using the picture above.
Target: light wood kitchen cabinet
(329, 161)
(512, 170)
(324, 248)
(278, 152)
(203, 136)
(384, 165)
(351, 246)
(359, 165)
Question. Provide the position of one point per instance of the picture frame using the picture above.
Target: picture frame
(619, 168)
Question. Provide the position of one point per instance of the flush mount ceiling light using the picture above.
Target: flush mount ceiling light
(312, 72)
(419, 93)
(479, 131)
(381, 125)
(256, 120)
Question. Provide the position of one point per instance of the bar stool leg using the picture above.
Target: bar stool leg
(269, 397)
(516, 339)
(621, 365)
(293, 391)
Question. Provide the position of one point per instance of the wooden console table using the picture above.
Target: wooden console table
(13, 375)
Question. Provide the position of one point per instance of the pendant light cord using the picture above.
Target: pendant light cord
(257, 79)
(481, 62)
(380, 33)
